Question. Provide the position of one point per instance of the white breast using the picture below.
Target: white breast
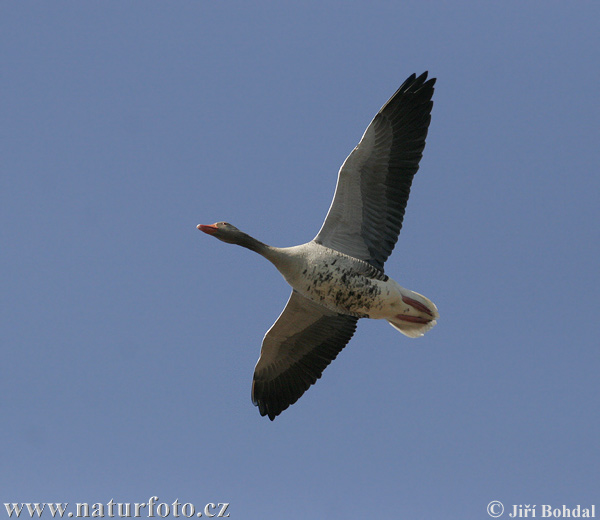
(343, 284)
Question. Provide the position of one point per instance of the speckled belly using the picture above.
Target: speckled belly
(347, 292)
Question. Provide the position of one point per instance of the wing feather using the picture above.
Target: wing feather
(297, 348)
(374, 182)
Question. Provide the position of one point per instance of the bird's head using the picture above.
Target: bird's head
(223, 231)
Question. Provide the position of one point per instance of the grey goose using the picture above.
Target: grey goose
(338, 276)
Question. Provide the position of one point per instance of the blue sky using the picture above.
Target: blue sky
(129, 338)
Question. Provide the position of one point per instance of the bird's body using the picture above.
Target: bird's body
(338, 281)
(338, 277)
(350, 286)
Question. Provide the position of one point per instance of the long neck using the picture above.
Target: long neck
(251, 243)
(273, 254)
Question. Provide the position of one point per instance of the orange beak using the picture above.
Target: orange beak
(211, 230)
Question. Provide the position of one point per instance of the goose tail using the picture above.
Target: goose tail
(417, 316)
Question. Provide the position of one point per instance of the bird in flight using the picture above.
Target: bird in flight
(338, 276)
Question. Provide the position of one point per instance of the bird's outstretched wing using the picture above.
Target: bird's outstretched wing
(373, 185)
(297, 348)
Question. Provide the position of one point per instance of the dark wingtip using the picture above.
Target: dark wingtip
(263, 409)
(412, 85)
(421, 81)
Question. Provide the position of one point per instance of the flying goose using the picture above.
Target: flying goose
(338, 276)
